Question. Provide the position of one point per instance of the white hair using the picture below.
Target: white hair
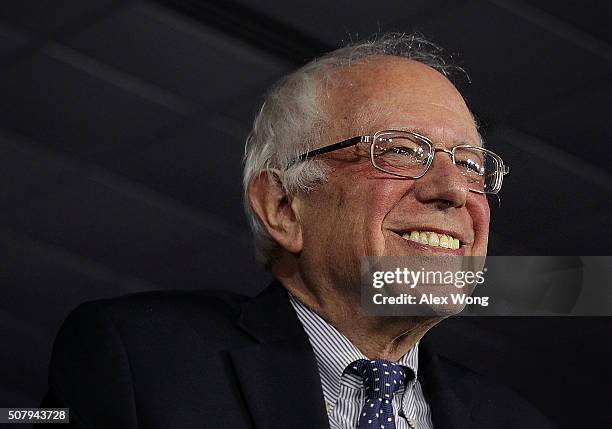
(291, 120)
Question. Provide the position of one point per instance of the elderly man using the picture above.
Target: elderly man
(367, 151)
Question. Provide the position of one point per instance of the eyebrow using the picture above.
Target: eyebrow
(424, 133)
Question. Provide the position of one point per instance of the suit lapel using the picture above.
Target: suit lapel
(448, 411)
(278, 376)
(280, 380)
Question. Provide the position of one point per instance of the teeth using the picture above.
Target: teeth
(432, 239)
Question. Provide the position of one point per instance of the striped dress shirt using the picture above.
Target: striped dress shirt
(344, 392)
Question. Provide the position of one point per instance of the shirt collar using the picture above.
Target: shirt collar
(334, 352)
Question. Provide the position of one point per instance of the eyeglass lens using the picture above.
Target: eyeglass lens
(406, 155)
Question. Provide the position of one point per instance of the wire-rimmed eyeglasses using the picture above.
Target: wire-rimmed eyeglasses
(409, 154)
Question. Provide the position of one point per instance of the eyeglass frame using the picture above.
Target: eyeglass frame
(371, 138)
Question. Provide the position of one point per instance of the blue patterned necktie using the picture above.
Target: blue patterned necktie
(381, 380)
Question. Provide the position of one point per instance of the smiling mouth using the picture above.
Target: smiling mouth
(430, 238)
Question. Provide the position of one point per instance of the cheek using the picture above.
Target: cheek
(478, 207)
(380, 202)
(373, 201)
(360, 198)
(328, 223)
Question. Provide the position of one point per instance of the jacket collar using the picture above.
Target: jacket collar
(448, 411)
(261, 315)
(278, 376)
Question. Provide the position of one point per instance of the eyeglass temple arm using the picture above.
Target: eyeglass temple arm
(326, 149)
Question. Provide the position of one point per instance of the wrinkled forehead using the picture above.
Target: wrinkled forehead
(395, 92)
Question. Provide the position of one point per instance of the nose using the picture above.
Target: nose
(443, 185)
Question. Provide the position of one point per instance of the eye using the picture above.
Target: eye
(471, 166)
(412, 151)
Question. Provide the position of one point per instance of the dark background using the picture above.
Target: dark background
(121, 133)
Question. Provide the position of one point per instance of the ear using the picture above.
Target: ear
(276, 210)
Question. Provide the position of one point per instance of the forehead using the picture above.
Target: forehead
(393, 92)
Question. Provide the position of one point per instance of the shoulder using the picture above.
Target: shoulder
(167, 303)
(157, 317)
(161, 308)
(155, 338)
(143, 320)
(491, 401)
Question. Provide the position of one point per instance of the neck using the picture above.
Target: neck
(387, 338)
(376, 337)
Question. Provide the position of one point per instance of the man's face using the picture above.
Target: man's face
(362, 211)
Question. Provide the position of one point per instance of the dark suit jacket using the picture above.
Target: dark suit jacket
(220, 360)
